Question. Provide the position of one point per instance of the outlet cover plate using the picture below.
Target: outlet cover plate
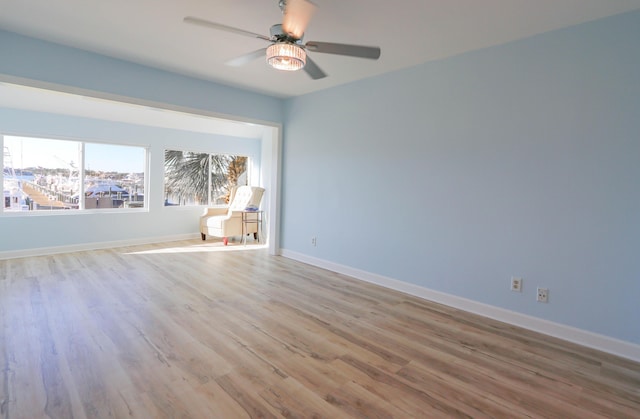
(543, 295)
(516, 284)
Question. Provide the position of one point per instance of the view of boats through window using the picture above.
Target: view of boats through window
(193, 178)
(44, 174)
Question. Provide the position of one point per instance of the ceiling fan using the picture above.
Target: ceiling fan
(287, 52)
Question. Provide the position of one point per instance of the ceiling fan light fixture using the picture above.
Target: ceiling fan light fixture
(286, 56)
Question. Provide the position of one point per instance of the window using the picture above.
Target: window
(114, 176)
(47, 174)
(193, 178)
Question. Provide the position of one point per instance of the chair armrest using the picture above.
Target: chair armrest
(209, 212)
(235, 213)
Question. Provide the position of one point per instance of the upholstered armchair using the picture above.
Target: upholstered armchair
(226, 222)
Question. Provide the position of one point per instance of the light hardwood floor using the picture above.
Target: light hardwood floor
(182, 330)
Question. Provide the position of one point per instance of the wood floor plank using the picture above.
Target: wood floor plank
(245, 389)
(411, 400)
(358, 402)
(198, 330)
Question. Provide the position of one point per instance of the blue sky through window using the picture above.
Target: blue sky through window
(48, 153)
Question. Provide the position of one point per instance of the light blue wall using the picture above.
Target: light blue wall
(521, 159)
(45, 61)
(71, 229)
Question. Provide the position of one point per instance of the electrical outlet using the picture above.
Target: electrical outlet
(543, 295)
(516, 284)
(313, 241)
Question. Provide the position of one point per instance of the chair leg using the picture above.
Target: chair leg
(204, 236)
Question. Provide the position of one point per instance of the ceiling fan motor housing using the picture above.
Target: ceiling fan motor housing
(278, 35)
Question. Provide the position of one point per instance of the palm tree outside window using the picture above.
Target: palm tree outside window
(193, 178)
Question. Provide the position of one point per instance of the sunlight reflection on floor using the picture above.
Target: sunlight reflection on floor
(202, 248)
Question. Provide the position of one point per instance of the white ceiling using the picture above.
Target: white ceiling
(152, 32)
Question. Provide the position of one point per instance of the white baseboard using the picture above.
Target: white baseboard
(43, 251)
(582, 337)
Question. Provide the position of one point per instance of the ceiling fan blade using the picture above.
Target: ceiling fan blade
(219, 26)
(312, 69)
(359, 51)
(247, 58)
(297, 14)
